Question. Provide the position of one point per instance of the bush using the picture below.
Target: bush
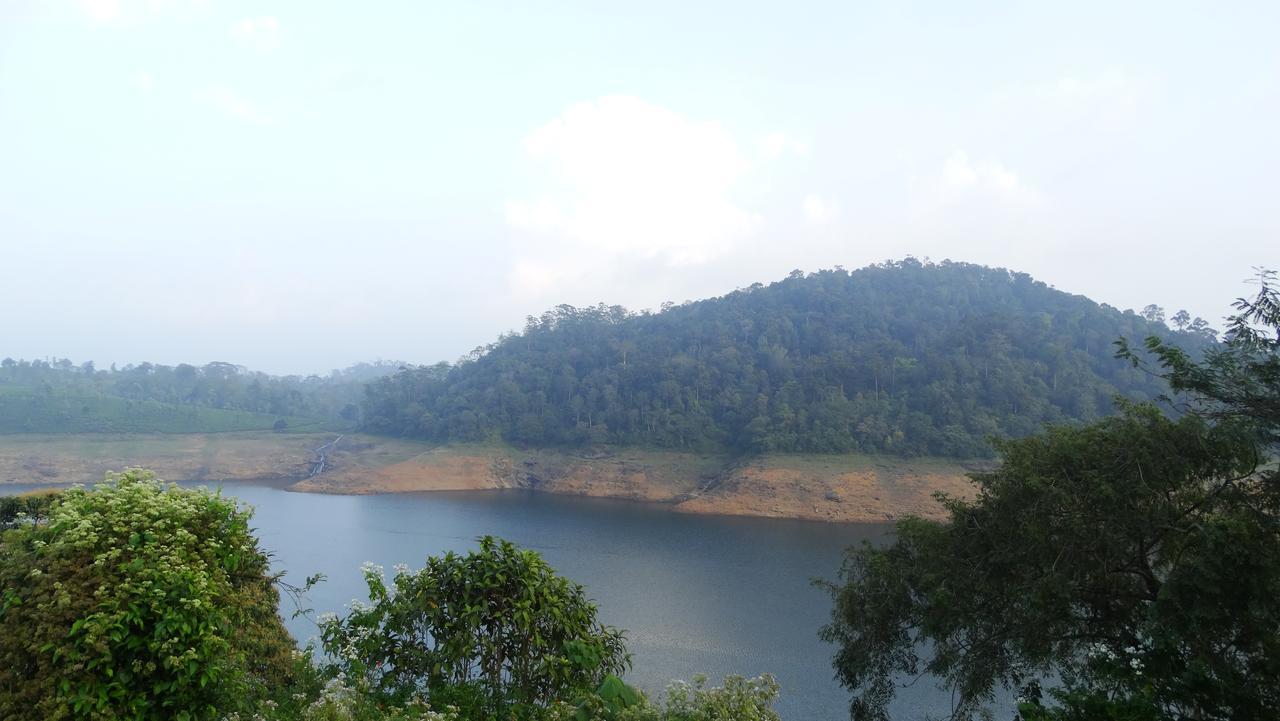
(136, 600)
(316, 696)
(738, 699)
(495, 631)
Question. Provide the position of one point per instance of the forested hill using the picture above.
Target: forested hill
(903, 357)
(58, 396)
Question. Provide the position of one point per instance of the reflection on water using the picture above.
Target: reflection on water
(698, 594)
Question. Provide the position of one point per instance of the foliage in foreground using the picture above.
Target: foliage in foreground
(491, 635)
(1136, 560)
(136, 600)
(341, 699)
(494, 629)
(737, 699)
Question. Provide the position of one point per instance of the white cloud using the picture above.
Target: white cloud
(776, 144)
(818, 211)
(261, 32)
(101, 11)
(622, 178)
(233, 105)
(962, 177)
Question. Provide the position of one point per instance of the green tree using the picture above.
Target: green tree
(1135, 561)
(26, 509)
(1237, 381)
(495, 628)
(135, 600)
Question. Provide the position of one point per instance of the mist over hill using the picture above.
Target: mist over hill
(904, 357)
(60, 396)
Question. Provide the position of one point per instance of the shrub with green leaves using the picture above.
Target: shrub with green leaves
(137, 600)
(315, 696)
(493, 631)
(737, 699)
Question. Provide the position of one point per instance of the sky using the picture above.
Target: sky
(298, 186)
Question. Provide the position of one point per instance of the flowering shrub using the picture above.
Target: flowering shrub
(136, 600)
(737, 699)
(339, 699)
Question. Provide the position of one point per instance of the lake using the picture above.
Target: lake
(698, 594)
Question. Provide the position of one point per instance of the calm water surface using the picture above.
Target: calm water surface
(697, 594)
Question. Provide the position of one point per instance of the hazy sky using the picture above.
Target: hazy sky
(295, 186)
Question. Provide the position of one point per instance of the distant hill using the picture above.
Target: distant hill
(24, 410)
(59, 396)
(904, 357)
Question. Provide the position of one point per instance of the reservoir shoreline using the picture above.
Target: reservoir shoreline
(828, 488)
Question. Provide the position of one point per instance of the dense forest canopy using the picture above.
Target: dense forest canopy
(59, 395)
(905, 357)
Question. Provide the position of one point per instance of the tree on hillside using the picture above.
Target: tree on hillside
(1135, 562)
(1200, 326)
(1238, 381)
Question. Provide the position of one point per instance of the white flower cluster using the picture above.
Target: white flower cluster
(1102, 652)
(358, 635)
(336, 698)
